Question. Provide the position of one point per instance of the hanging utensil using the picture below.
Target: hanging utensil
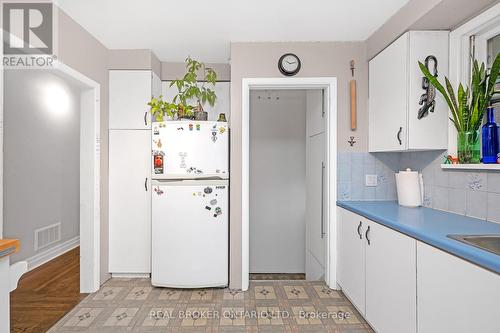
(352, 90)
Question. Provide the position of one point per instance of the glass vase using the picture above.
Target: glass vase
(490, 138)
(469, 147)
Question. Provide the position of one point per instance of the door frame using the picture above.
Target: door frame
(329, 84)
(90, 110)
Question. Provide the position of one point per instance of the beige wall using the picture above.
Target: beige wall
(81, 51)
(174, 70)
(251, 60)
(134, 59)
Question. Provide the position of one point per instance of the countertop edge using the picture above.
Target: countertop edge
(463, 251)
(9, 247)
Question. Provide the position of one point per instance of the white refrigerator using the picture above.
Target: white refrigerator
(190, 207)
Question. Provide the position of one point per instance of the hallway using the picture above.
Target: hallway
(46, 294)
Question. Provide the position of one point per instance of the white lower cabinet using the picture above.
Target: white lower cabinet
(377, 272)
(390, 280)
(129, 202)
(455, 295)
(351, 272)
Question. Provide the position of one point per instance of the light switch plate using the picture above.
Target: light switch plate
(370, 180)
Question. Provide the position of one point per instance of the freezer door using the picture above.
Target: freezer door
(190, 234)
(190, 149)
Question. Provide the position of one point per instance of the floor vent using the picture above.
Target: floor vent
(47, 235)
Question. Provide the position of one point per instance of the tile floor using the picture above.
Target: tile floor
(133, 305)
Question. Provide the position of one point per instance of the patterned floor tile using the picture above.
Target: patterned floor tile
(264, 292)
(121, 317)
(295, 292)
(133, 305)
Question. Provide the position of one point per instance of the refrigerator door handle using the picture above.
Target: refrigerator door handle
(145, 118)
(146, 184)
(322, 198)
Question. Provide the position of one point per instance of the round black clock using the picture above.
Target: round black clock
(289, 64)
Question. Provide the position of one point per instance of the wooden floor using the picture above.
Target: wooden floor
(46, 294)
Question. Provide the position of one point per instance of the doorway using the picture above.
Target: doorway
(68, 104)
(287, 160)
(251, 88)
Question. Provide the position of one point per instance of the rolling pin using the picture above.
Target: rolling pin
(352, 85)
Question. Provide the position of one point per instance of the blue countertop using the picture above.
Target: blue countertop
(431, 226)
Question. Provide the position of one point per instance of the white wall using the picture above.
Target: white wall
(41, 156)
(277, 181)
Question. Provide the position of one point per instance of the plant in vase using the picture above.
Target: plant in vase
(468, 106)
(189, 91)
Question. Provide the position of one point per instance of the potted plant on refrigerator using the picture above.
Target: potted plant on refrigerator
(194, 89)
(193, 93)
(468, 106)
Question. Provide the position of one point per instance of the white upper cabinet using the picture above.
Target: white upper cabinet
(129, 93)
(395, 90)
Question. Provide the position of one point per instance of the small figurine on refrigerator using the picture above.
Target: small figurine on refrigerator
(222, 117)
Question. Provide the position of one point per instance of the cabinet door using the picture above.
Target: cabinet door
(388, 87)
(129, 201)
(315, 116)
(390, 280)
(454, 295)
(129, 93)
(351, 266)
(431, 131)
(315, 207)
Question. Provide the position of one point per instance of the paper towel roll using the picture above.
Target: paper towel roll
(409, 186)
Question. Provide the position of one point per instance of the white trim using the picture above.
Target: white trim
(131, 275)
(52, 253)
(330, 86)
(90, 247)
(492, 167)
(459, 56)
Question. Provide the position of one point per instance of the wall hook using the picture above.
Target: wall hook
(351, 141)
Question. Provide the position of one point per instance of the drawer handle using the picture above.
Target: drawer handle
(366, 235)
(359, 230)
(399, 136)
(145, 118)
(146, 184)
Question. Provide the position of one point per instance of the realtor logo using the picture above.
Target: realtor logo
(28, 34)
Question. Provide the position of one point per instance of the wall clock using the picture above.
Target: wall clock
(289, 64)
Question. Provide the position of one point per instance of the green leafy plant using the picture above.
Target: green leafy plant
(189, 92)
(468, 105)
(189, 88)
(160, 108)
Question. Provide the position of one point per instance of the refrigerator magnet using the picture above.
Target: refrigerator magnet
(207, 190)
(213, 202)
(198, 127)
(190, 127)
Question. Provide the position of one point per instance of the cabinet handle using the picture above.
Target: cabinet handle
(322, 198)
(399, 136)
(359, 230)
(145, 118)
(146, 184)
(366, 235)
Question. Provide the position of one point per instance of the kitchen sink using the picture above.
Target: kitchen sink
(489, 243)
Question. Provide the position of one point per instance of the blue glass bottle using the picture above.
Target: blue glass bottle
(490, 138)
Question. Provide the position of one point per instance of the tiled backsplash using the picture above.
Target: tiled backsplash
(475, 194)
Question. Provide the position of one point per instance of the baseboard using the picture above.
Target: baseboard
(131, 275)
(52, 253)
